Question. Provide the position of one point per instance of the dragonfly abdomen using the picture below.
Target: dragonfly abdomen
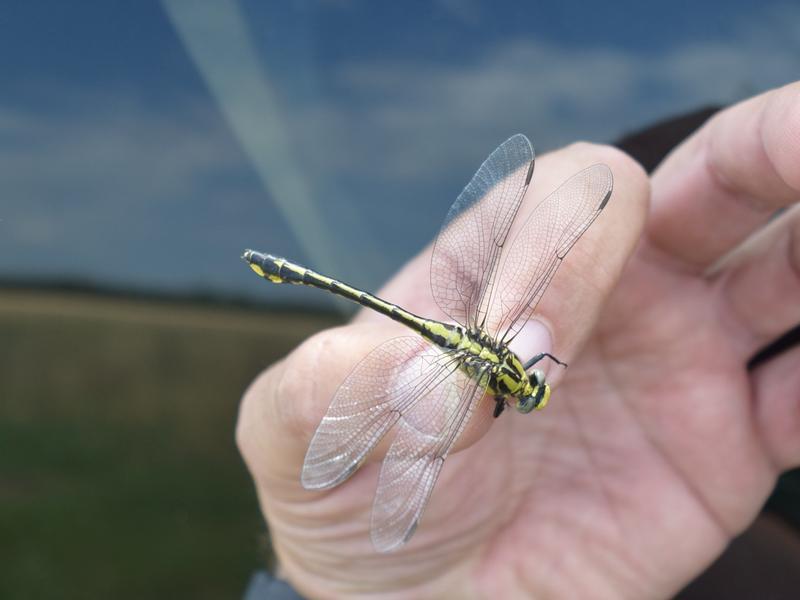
(280, 270)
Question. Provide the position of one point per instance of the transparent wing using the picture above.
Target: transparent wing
(385, 385)
(409, 472)
(539, 248)
(467, 250)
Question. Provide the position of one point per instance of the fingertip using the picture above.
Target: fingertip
(284, 405)
(591, 270)
(618, 161)
(281, 407)
(781, 134)
(777, 409)
(631, 187)
(630, 195)
(253, 414)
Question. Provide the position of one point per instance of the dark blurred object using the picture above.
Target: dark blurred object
(763, 562)
(650, 146)
(788, 340)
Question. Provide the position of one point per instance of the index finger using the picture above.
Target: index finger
(727, 179)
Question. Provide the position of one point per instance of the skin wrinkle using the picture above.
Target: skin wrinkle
(608, 383)
(766, 146)
(679, 474)
(730, 319)
(763, 384)
(769, 451)
(555, 562)
(721, 181)
(243, 438)
(727, 309)
(291, 380)
(654, 255)
(517, 505)
(787, 246)
(506, 517)
(724, 183)
(763, 440)
(793, 247)
(587, 451)
(520, 571)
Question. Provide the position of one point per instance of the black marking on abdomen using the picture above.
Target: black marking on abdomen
(279, 270)
(291, 275)
(268, 265)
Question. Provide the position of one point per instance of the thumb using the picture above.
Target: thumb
(283, 406)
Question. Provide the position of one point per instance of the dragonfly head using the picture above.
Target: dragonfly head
(535, 395)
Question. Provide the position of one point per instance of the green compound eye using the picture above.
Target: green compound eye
(538, 399)
(526, 404)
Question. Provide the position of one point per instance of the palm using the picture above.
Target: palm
(653, 421)
(647, 447)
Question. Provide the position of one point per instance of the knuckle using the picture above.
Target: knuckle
(287, 395)
(301, 393)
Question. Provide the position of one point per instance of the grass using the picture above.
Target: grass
(119, 475)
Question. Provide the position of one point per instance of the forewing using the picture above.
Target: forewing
(467, 250)
(409, 472)
(541, 245)
(386, 384)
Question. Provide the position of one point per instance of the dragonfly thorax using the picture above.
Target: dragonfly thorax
(502, 372)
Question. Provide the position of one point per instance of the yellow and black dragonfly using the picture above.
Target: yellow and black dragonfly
(427, 386)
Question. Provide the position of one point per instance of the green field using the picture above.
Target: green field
(119, 476)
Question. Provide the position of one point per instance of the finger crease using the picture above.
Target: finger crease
(728, 188)
(793, 249)
(668, 460)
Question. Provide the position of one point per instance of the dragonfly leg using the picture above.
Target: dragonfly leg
(539, 357)
(499, 406)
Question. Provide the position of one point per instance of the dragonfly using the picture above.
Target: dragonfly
(426, 387)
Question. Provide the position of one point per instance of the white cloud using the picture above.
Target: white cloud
(88, 164)
(420, 114)
(105, 167)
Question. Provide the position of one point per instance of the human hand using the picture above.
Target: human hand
(657, 447)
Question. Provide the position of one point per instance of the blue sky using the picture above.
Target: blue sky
(147, 143)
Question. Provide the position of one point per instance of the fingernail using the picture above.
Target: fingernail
(534, 338)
